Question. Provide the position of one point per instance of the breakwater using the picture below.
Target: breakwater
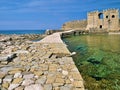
(42, 65)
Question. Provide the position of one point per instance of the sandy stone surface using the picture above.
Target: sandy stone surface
(38, 66)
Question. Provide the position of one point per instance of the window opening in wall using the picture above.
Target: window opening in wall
(106, 16)
(113, 16)
(100, 15)
(100, 26)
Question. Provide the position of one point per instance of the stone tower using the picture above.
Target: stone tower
(105, 20)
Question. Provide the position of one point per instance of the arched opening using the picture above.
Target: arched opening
(113, 16)
(100, 15)
(100, 26)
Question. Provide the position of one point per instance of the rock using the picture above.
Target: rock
(3, 89)
(71, 79)
(0, 81)
(27, 67)
(65, 72)
(5, 85)
(34, 87)
(56, 88)
(18, 69)
(48, 87)
(59, 80)
(50, 80)
(65, 88)
(41, 81)
(17, 80)
(8, 57)
(27, 82)
(13, 86)
(28, 76)
(4, 62)
(6, 69)
(14, 71)
(3, 58)
(59, 70)
(20, 88)
(78, 84)
(4, 38)
(8, 78)
(38, 73)
(74, 70)
(18, 75)
(16, 60)
(2, 75)
(76, 76)
(68, 81)
(21, 52)
(58, 84)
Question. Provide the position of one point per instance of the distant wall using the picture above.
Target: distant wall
(77, 25)
(104, 20)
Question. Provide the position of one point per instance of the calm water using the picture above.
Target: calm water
(22, 31)
(98, 60)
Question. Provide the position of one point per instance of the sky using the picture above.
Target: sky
(47, 14)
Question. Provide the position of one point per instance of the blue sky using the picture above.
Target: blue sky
(47, 14)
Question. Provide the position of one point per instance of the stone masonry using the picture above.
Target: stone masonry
(43, 65)
(107, 20)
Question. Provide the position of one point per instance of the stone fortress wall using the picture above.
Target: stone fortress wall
(78, 25)
(105, 20)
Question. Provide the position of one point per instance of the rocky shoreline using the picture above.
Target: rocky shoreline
(28, 65)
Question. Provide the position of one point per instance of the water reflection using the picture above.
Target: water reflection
(104, 42)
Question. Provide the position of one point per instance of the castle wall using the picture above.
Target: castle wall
(77, 25)
(110, 20)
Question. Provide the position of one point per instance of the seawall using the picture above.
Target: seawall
(42, 65)
(66, 68)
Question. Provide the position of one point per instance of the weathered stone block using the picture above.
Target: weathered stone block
(17, 81)
(34, 87)
(59, 80)
(50, 80)
(13, 86)
(78, 84)
(5, 85)
(48, 87)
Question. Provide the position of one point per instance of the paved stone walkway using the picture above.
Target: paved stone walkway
(43, 65)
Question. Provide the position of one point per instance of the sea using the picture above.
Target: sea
(98, 60)
(22, 31)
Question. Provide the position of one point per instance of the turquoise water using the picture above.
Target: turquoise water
(22, 31)
(98, 60)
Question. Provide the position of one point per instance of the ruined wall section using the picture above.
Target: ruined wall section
(106, 20)
(76, 25)
(92, 19)
(111, 19)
